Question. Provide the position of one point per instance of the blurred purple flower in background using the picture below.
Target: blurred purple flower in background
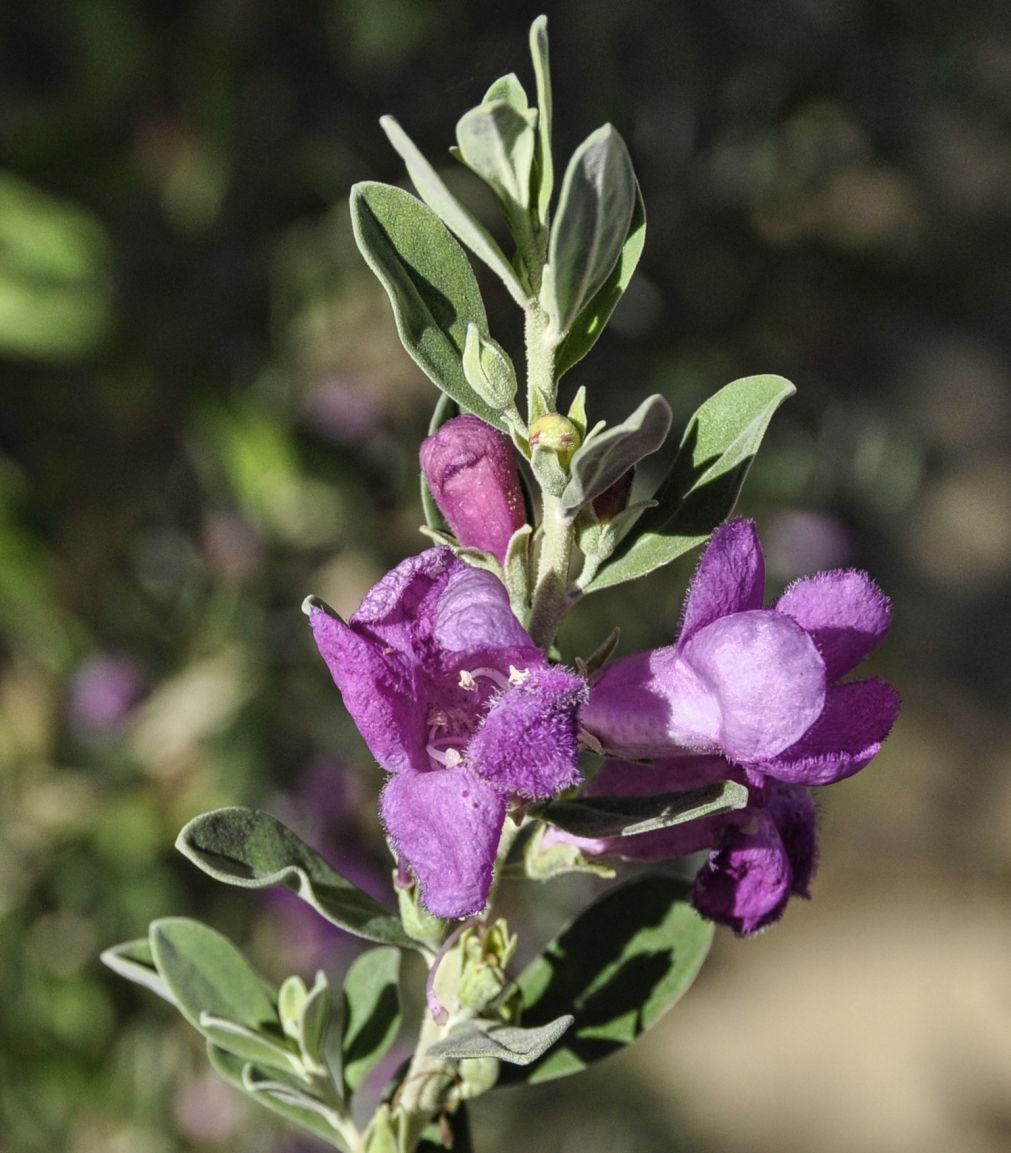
(344, 409)
(800, 540)
(104, 688)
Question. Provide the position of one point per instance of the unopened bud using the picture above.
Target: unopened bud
(558, 433)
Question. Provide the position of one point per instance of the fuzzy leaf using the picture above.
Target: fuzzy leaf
(505, 1042)
(134, 961)
(458, 219)
(585, 330)
(249, 1044)
(604, 458)
(542, 78)
(371, 1014)
(617, 968)
(429, 281)
(605, 816)
(254, 850)
(716, 451)
(497, 142)
(594, 212)
(510, 89)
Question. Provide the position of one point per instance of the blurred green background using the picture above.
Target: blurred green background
(205, 415)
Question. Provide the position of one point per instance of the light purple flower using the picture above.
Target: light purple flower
(104, 690)
(459, 705)
(472, 472)
(757, 686)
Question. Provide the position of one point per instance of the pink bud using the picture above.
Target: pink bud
(471, 469)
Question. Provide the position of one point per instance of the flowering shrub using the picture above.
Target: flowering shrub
(501, 759)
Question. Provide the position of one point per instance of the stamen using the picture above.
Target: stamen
(467, 681)
(496, 676)
(518, 676)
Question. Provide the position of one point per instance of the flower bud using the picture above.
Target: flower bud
(557, 433)
(471, 469)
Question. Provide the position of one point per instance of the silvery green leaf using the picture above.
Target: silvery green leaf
(517, 570)
(606, 457)
(460, 220)
(254, 850)
(591, 225)
(542, 77)
(134, 961)
(510, 89)
(291, 998)
(242, 1076)
(489, 370)
(206, 974)
(429, 281)
(585, 330)
(371, 1014)
(577, 411)
(617, 968)
(497, 142)
(630, 816)
(701, 489)
(249, 1044)
(315, 1021)
(517, 1046)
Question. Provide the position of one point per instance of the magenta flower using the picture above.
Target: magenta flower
(758, 686)
(472, 472)
(459, 705)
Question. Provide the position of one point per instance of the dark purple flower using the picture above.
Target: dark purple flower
(459, 705)
(472, 472)
(757, 686)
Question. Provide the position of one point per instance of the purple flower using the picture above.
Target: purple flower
(104, 690)
(472, 472)
(459, 705)
(757, 686)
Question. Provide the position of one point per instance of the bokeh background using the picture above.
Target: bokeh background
(205, 415)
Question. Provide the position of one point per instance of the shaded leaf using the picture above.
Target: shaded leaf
(604, 458)
(249, 1044)
(371, 1013)
(594, 211)
(134, 961)
(619, 966)
(517, 1046)
(542, 78)
(497, 142)
(429, 281)
(701, 490)
(253, 850)
(605, 816)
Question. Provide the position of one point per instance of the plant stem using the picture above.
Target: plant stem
(550, 602)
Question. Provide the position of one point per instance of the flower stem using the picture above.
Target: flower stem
(550, 602)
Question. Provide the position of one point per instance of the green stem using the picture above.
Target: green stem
(541, 349)
(550, 602)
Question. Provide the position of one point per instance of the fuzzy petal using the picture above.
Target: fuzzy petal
(528, 743)
(446, 825)
(474, 623)
(399, 611)
(845, 612)
(730, 578)
(793, 811)
(764, 676)
(628, 710)
(379, 691)
(858, 716)
(747, 883)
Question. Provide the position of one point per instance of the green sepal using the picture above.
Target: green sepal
(458, 219)
(281, 1097)
(135, 961)
(585, 330)
(370, 1017)
(700, 491)
(603, 459)
(253, 850)
(545, 863)
(429, 281)
(509, 1043)
(606, 816)
(618, 967)
(594, 212)
(491, 374)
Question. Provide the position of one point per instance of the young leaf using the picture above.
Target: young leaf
(510, 89)
(206, 974)
(542, 78)
(585, 330)
(602, 459)
(134, 961)
(497, 142)
(617, 968)
(254, 850)
(248, 1044)
(701, 490)
(314, 1021)
(430, 284)
(371, 1014)
(454, 215)
(628, 816)
(594, 211)
(504, 1042)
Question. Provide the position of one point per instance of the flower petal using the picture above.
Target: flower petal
(763, 674)
(858, 716)
(747, 883)
(845, 612)
(793, 811)
(730, 578)
(446, 825)
(474, 623)
(379, 690)
(399, 611)
(528, 744)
